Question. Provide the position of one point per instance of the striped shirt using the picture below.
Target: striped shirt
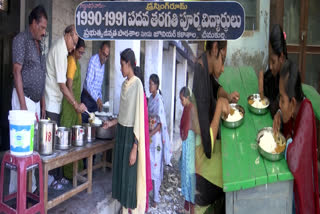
(94, 79)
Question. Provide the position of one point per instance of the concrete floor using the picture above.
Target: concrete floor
(84, 203)
(100, 201)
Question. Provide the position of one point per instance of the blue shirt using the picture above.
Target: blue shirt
(94, 79)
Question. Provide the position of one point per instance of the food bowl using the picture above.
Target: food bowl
(109, 133)
(256, 97)
(272, 156)
(102, 133)
(97, 122)
(103, 115)
(234, 124)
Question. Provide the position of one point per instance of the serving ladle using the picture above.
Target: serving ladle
(91, 115)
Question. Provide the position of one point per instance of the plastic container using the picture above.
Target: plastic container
(21, 132)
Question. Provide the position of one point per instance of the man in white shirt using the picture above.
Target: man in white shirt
(56, 78)
(56, 88)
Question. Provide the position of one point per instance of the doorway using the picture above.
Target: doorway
(9, 28)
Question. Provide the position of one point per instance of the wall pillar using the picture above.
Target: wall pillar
(168, 85)
(181, 81)
(153, 62)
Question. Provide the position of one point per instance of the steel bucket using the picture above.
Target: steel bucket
(78, 136)
(90, 132)
(46, 136)
(63, 138)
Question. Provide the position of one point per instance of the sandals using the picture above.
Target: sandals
(56, 185)
(154, 204)
(64, 181)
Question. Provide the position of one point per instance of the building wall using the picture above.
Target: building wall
(10, 20)
(62, 16)
(181, 81)
(112, 74)
(252, 48)
(153, 63)
(168, 85)
(9, 27)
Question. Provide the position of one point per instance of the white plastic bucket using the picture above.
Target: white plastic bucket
(21, 132)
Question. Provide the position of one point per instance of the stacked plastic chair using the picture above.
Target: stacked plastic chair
(22, 197)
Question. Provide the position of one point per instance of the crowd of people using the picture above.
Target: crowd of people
(200, 164)
(51, 87)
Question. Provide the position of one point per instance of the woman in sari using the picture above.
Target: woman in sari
(69, 115)
(129, 166)
(300, 130)
(189, 129)
(160, 145)
(138, 73)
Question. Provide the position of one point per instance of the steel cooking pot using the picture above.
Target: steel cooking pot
(78, 135)
(46, 136)
(109, 133)
(63, 138)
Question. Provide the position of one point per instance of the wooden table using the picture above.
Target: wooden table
(63, 157)
(252, 183)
